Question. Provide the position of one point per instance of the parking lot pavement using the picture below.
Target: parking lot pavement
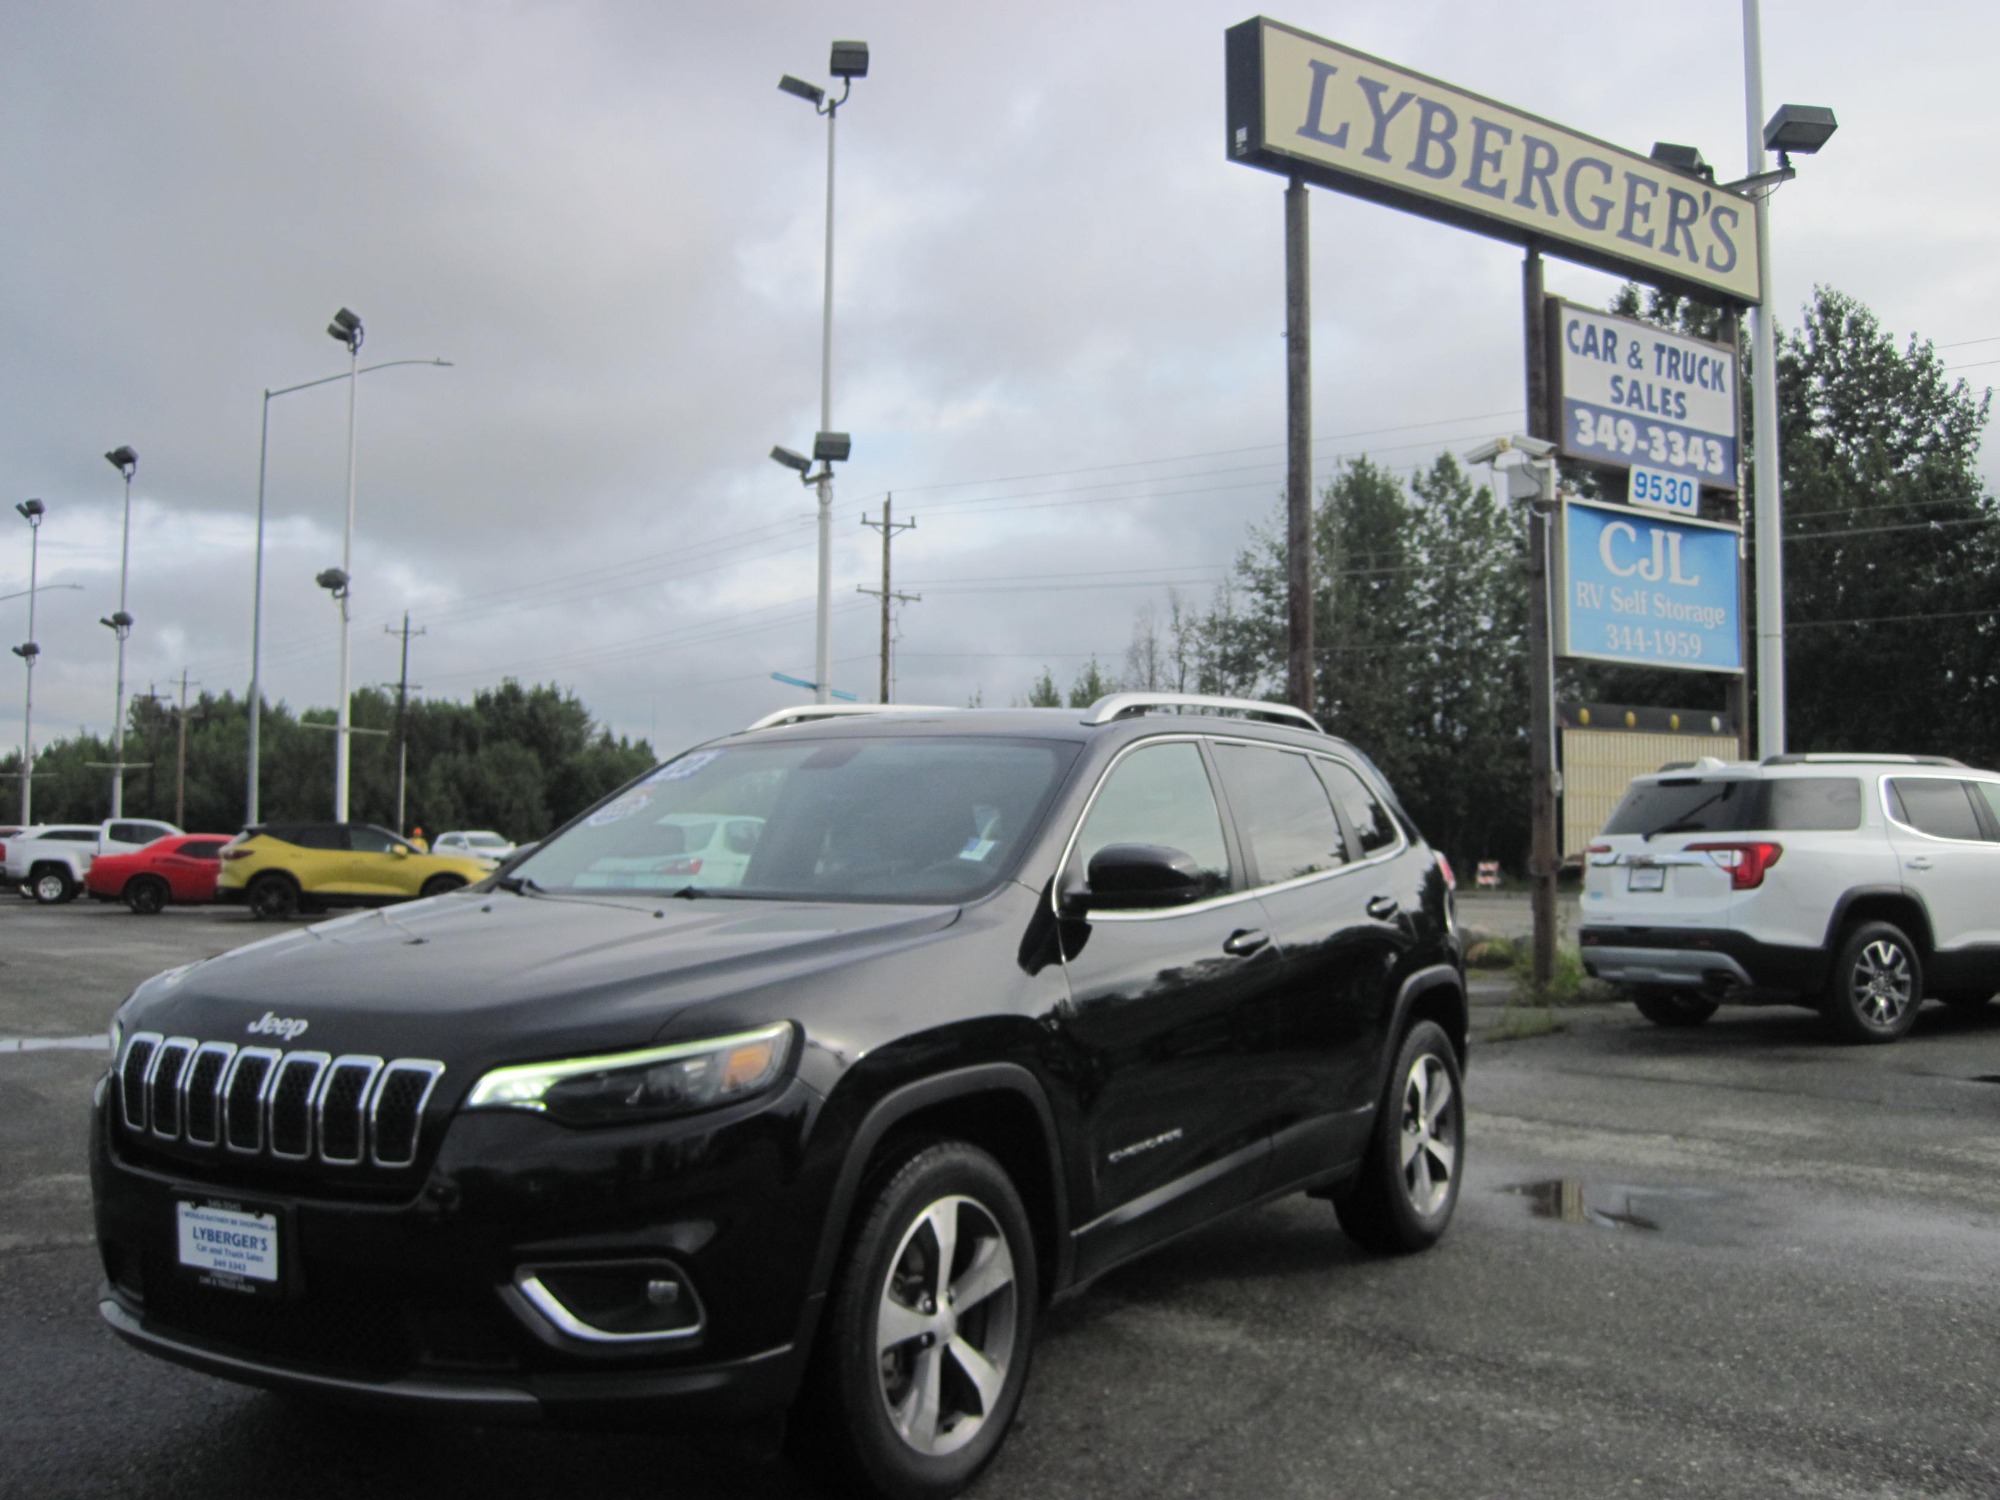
(1737, 1261)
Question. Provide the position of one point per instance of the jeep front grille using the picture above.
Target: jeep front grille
(289, 1106)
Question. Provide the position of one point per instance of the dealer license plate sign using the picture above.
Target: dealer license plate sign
(228, 1243)
(1647, 878)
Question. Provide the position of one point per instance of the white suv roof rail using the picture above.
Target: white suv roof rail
(1123, 705)
(807, 713)
(1837, 758)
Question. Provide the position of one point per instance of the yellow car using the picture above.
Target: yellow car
(276, 869)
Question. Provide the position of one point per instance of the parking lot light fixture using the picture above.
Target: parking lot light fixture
(346, 327)
(32, 512)
(847, 61)
(1803, 128)
(255, 699)
(126, 462)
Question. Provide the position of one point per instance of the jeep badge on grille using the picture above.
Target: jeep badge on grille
(269, 1024)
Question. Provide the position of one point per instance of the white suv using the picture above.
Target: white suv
(1855, 884)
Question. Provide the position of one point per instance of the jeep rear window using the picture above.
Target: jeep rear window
(937, 819)
(1694, 804)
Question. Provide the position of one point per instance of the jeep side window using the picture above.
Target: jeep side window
(1935, 805)
(1366, 815)
(1281, 811)
(1158, 794)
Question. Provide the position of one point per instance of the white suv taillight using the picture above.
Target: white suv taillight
(1746, 863)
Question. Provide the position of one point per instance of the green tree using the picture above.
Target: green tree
(1091, 684)
(1892, 556)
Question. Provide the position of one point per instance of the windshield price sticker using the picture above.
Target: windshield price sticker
(228, 1242)
(1660, 491)
(1636, 395)
(1647, 590)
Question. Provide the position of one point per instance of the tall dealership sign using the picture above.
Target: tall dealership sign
(1303, 106)
(1650, 409)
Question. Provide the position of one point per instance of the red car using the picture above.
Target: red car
(179, 868)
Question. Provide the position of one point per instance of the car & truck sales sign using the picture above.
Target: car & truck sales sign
(1298, 104)
(1632, 395)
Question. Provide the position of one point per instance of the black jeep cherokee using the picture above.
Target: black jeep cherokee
(947, 1014)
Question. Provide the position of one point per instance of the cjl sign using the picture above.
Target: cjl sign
(1647, 591)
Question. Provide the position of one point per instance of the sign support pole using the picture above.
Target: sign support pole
(1298, 451)
(1543, 837)
(1739, 685)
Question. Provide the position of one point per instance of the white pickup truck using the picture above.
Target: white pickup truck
(49, 862)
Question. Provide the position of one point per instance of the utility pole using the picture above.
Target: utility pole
(1544, 841)
(181, 774)
(1299, 658)
(403, 715)
(889, 596)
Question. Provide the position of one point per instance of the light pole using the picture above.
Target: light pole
(848, 62)
(32, 512)
(1801, 128)
(126, 462)
(345, 327)
(256, 701)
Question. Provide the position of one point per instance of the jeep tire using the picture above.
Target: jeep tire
(1415, 1159)
(924, 1351)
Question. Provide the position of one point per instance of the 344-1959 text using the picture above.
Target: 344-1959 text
(1646, 640)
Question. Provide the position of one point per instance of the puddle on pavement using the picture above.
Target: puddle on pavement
(1606, 1205)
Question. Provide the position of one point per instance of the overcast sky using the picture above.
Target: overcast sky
(1058, 318)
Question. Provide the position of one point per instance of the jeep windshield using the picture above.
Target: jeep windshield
(916, 819)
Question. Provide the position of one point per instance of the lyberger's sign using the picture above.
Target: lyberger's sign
(1351, 122)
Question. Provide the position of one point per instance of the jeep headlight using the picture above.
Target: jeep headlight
(656, 1082)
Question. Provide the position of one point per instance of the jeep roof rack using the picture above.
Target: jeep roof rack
(1125, 705)
(807, 713)
(1837, 757)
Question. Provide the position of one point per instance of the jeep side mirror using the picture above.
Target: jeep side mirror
(1140, 877)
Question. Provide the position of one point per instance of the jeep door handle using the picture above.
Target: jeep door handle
(1919, 863)
(1244, 943)
(1382, 908)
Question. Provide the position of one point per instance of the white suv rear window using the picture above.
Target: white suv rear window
(1695, 804)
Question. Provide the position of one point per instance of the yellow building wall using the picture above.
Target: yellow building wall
(1598, 764)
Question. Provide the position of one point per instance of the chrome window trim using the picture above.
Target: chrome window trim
(179, 1081)
(1889, 815)
(363, 1120)
(1228, 898)
(317, 1061)
(435, 1071)
(559, 1317)
(227, 1051)
(270, 1055)
(152, 1039)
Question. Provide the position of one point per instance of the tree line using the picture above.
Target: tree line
(521, 760)
(1892, 592)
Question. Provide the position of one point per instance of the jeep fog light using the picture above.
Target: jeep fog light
(649, 1084)
(613, 1301)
